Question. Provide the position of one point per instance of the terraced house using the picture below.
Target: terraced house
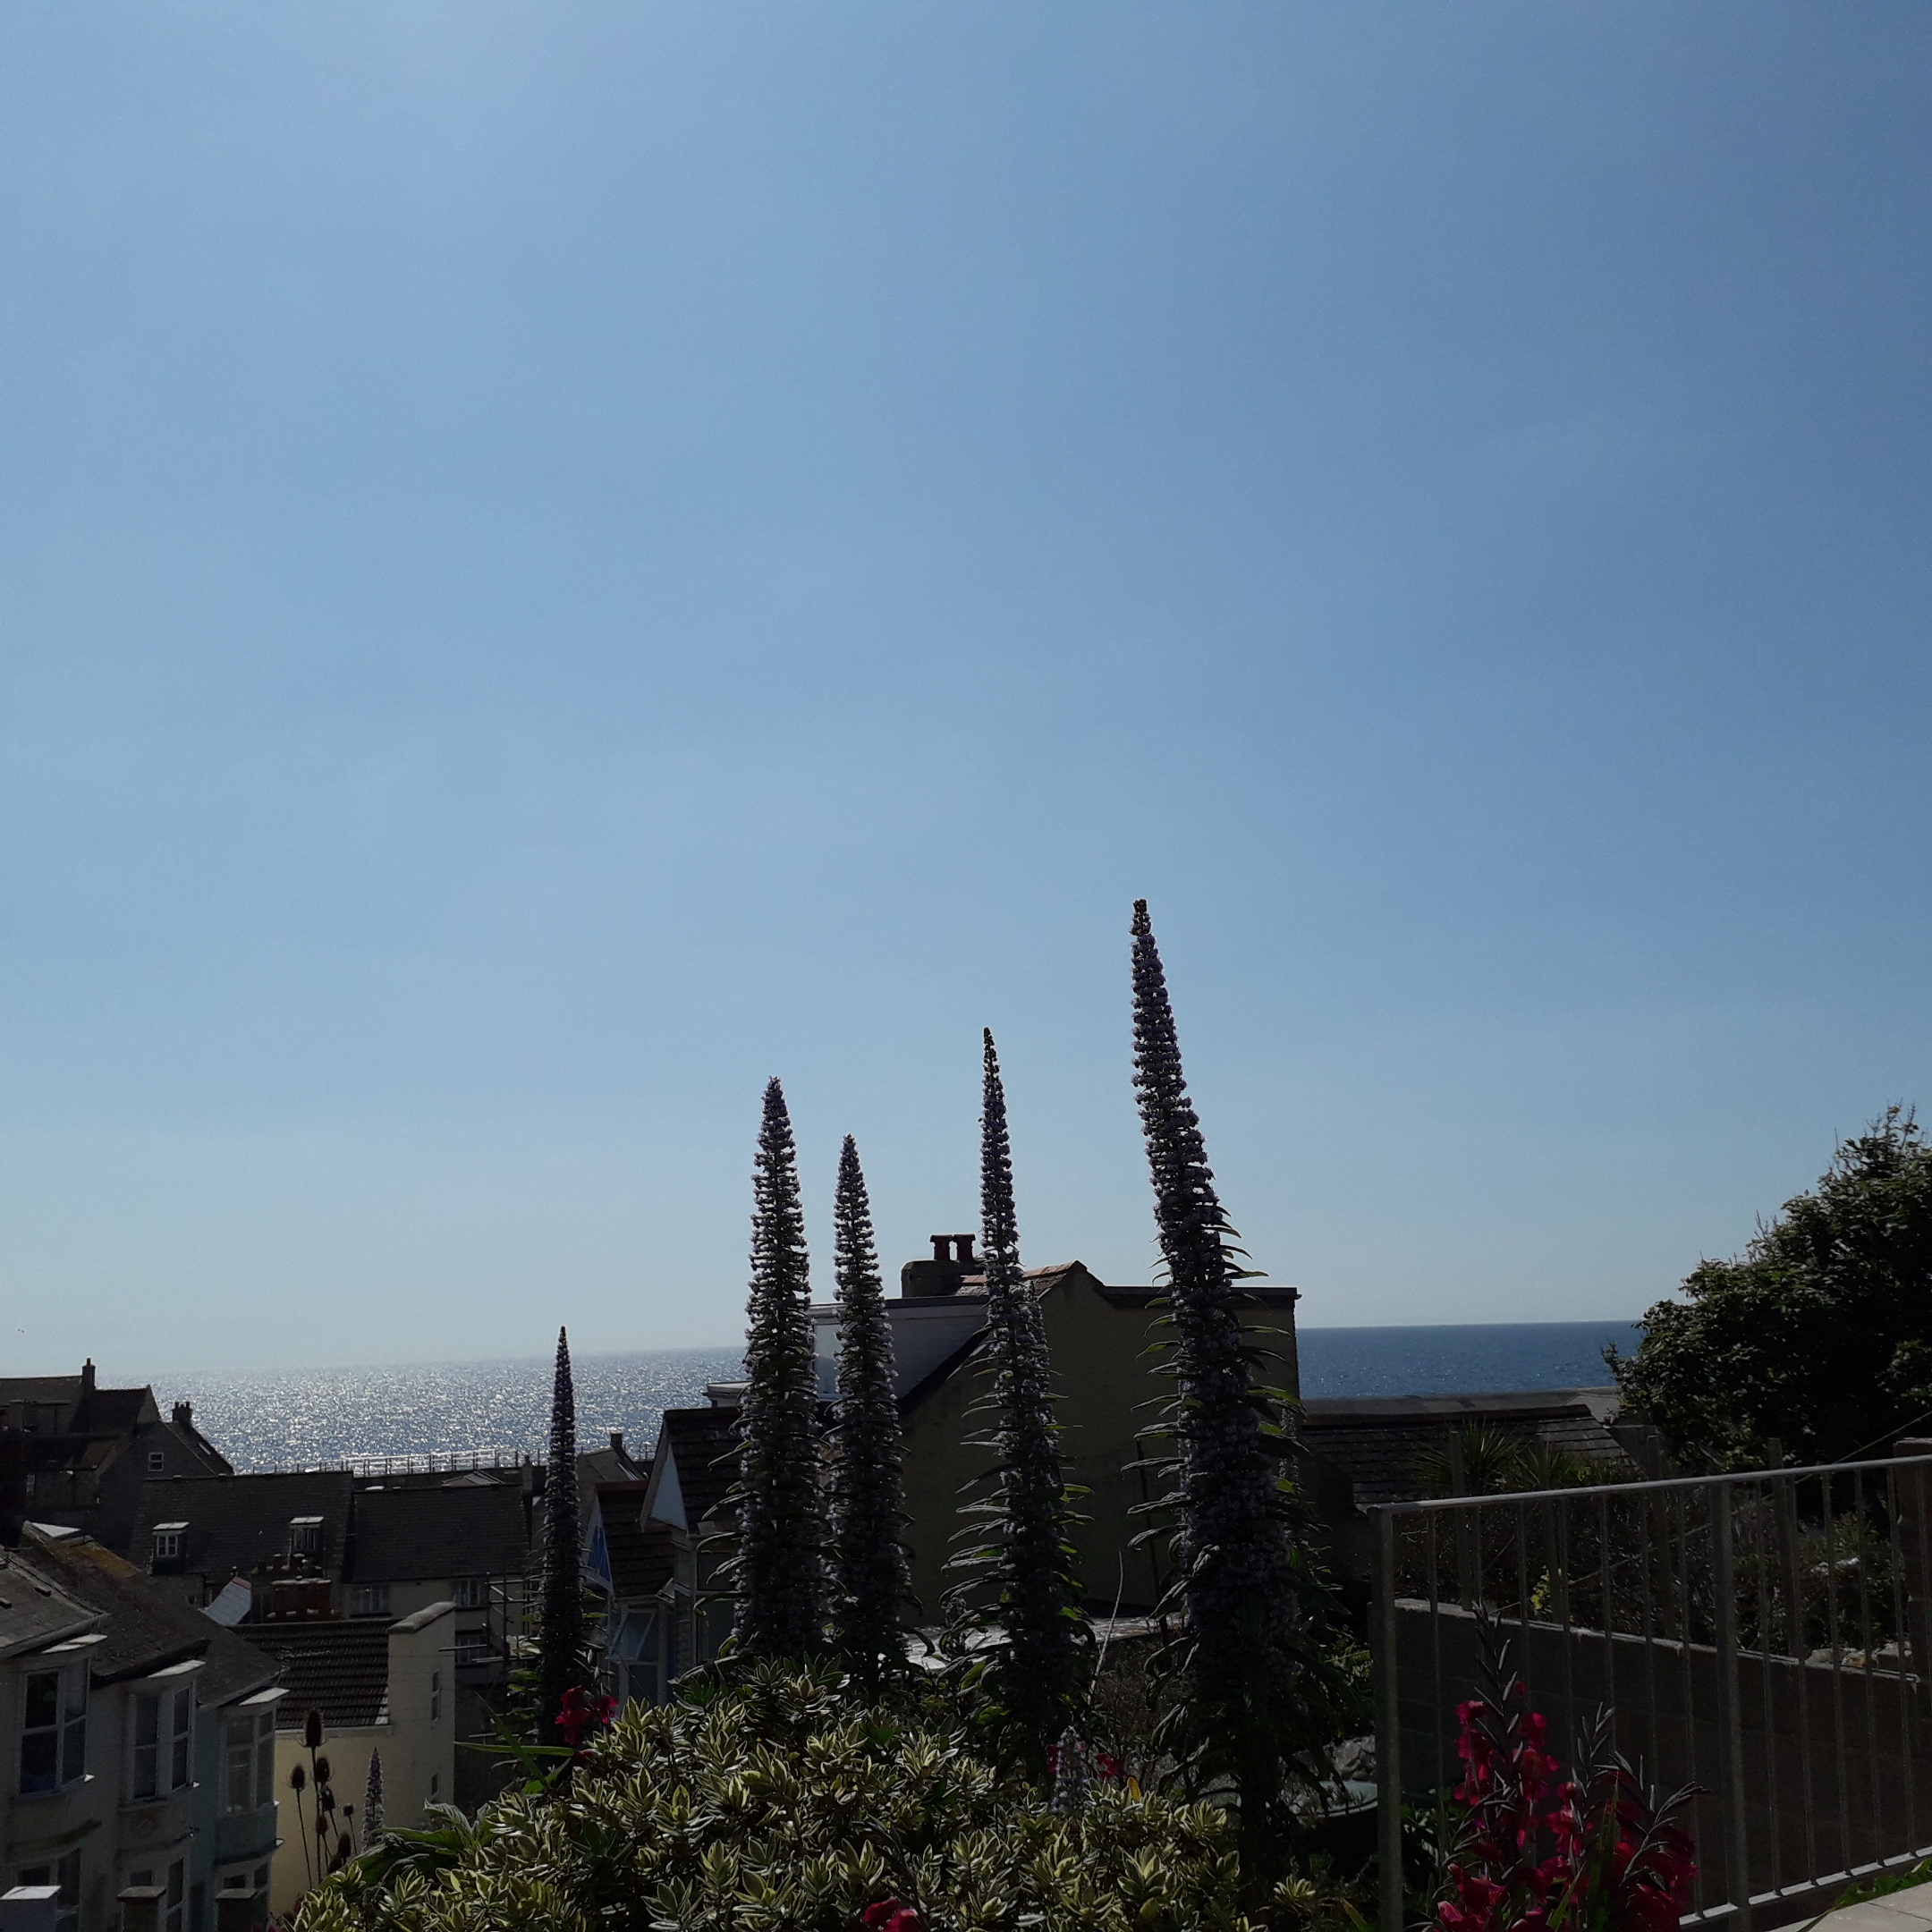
(137, 1746)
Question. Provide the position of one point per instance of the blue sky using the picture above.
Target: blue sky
(555, 562)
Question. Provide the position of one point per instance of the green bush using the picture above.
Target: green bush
(774, 1806)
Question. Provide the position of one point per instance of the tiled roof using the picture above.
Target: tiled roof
(641, 1553)
(235, 1522)
(438, 1535)
(1377, 1442)
(704, 1447)
(148, 1627)
(340, 1669)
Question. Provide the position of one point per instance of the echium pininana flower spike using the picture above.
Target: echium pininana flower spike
(1027, 1591)
(373, 1830)
(871, 1580)
(779, 1567)
(560, 1636)
(1235, 1580)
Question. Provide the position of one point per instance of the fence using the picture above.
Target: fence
(1759, 1635)
(436, 1462)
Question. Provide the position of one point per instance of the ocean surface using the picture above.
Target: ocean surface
(312, 1418)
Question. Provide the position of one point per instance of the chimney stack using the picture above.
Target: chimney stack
(616, 1440)
(87, 1377)
(184, 1415)
(953, 1262)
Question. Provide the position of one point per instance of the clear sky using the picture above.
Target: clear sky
(557, 561)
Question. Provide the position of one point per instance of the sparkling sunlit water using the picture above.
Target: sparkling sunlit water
(302, 1418)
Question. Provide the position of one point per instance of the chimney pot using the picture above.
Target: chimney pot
(941, 1248)
(964, 1250)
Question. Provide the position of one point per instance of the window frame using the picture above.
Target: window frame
(160, 1737)
(65, 1729)
(66, 1873)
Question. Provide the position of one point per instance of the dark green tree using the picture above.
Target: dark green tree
(871, 1584)
(560, 1639)
(779, 1568)
(1021, 1590)
(1243, 1644)
(1820, 1333)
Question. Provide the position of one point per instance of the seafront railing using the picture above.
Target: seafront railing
(436, 1461)
(1759, 1635)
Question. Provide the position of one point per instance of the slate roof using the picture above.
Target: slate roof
(703, 1443)
(411, 1535)
(1376, 1441)
(641, 1554)
(235, 1522)
(340, 1669)
(34, 1610)
(147, 1627)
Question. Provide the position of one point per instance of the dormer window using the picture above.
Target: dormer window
(305, 1535)
(167, 1541)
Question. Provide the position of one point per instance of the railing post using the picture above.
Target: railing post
(1388, 1726)
(1729, 1792)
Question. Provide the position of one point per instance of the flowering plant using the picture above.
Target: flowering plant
(578, 1714)
(1538, 1853)
(890, 1915)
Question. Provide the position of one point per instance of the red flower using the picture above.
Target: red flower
(578, 1714)
(889, 1915)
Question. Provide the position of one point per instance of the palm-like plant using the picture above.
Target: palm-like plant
(871, 1584)
(1021, 1592)
(560, 1639)
(779, 1568)
(1235, 1581)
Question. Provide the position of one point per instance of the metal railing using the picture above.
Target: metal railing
(1759, 1635)
(436, 1462)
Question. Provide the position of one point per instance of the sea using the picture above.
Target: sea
(297, 1419)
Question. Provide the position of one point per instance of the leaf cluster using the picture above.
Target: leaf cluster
(775, 1805)
(1820, 1334)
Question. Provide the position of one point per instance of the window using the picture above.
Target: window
(372, 1599)
(177, 1874)
(305, 1535)
(435, 1786)
(163, 1726)
(54, 1729)
(247, 1761)
(470, 1593)
(473, 1646)
(436, 1695)
(167, 1541)
(156, 1463)
(66, 1874)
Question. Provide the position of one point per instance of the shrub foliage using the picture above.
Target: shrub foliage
(1820, 1334)
(775, 1805)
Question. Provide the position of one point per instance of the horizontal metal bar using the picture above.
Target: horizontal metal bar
(1828, 1882)
(1512, 1497)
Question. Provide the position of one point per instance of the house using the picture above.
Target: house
(88, 1449)
(136, 1746)
(632, 1563)
(327, 1543)
(1108, 1396)
(380, 1686)
(692, 1473)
